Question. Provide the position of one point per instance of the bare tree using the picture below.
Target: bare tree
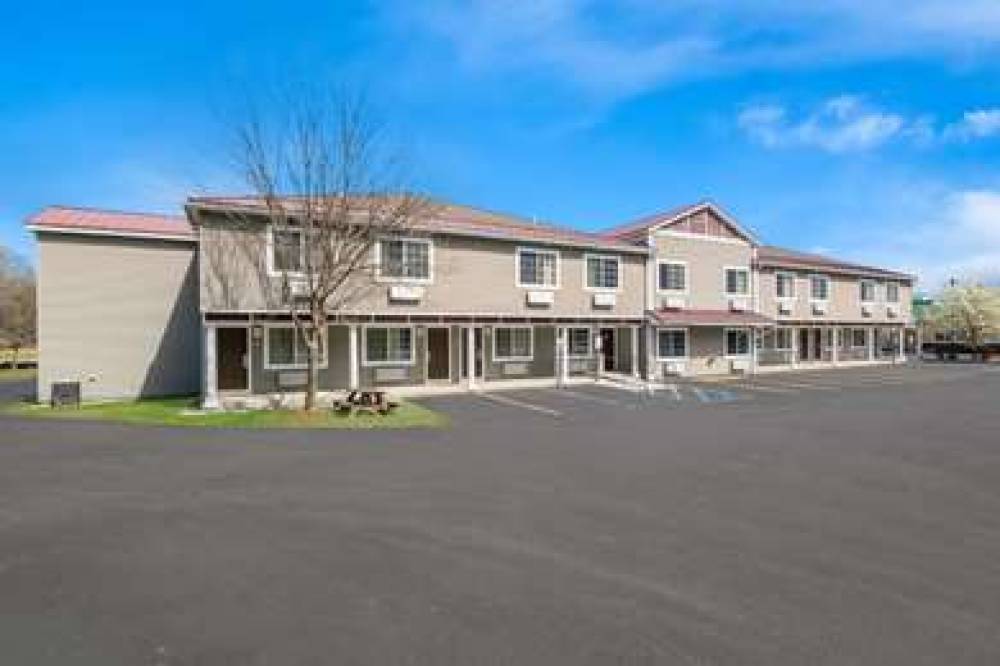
(17, 304)
(324, 181)
(971, 312)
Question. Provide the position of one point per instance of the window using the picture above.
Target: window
(602, 272)
(891, 292)
(673, 276)
(737, 282)
(784, 285)
(512, 343)
(819, 287)
(578, 341)
(671, 343)
(737, 342)
(537, 268)
(286, 250)
(783, 339)
(867, 291)
(286, 349)
(388, 346)
(405, 259)
(858, 338)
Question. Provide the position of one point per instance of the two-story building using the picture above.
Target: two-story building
(135, 304)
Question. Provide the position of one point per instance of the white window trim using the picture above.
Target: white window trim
(590, 341)
(365, 363)
(586, 274)
(271, 270)
(829, 288)
(725, 282)
(538, 250)
(725, 342)
(687, 345)
(899, 293)
(787, 274)
(791, 338)
(861, 291)
(506, 359)
(687, 278)
(377, 249)
(290, 366)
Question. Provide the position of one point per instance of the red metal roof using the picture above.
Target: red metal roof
(456, 219)
(665, 317)
(770, 255)
(91, 220)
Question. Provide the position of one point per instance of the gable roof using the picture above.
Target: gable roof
(449, 218)
(637, 230)
(779, 257)
(97, 222)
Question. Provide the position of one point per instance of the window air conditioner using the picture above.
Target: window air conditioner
(819, 308)
(405, 292)
(738, 304)
(541, 298)
(673, 303)
(604, 300)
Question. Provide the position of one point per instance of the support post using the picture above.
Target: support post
(470, 350)
(901, 344)
(210, 376)
(635, 352)
(795, 346)
(562, 356)
(836, 345)
(754, 340)
(352, 356)
(871, 343)
(650, 353)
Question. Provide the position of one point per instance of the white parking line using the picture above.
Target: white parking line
(593, 398)
(517, 403)
(765, 389)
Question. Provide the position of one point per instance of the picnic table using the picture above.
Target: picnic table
(371, 402)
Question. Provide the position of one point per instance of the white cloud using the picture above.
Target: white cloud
(841, 124)
(978, 124)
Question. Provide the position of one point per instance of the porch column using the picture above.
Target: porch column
(836, 345)
(795, 346)
(635, 351)
(210, 376)
(352, 356)
(650, 353)
(901, 346)
(470, 350)
(754, 339)
(562, 355)
(871, 343)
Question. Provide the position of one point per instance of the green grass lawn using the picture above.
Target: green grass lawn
(171, 412)
(15, 374)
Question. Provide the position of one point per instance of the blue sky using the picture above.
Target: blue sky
(867, 129)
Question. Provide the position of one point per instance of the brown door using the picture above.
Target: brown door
(817, 344)
(231, 355)
(803, 344)
(438, 361)
(608, 348)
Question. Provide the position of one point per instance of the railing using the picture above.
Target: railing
(773, 357)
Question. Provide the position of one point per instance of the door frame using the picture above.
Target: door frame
(249, 363)
(614, 348)
(427, 355)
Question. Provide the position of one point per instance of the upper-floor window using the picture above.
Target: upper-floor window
(784, 285)
(891, 292)
(389, 345)
(286, 251)
(819, 287)
(512, 343)
(867, 291)
(405, 259)
(673, 276)
(602, 272)
(578, 342)
(537, 268)
(737, 281)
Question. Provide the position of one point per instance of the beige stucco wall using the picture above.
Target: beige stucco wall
(469, 276)
(844, 304)
(706, 260)
(120, 316)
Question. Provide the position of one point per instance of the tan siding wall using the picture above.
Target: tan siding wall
(706, 260)
(844, 304)
(121, 316)
(469, 276)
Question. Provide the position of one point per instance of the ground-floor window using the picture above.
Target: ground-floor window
(783, 339)
(671, 343)
(578, 341)
(285, 348)
(512, 343)
(737, 342)
(859, 338)
(388, 346)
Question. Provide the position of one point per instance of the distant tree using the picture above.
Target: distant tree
(17, 304)
(971, 312)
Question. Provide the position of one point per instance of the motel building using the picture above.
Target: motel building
(136, 305)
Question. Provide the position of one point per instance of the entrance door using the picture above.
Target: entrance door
(438, 355)
(231, 356)
(817, 344)
(803, 344)
(608, 348)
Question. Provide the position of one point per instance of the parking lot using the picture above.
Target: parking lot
(843, 517)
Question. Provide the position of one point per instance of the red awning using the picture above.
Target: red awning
(686, 317)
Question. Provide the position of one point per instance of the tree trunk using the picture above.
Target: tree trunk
(311, 377)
